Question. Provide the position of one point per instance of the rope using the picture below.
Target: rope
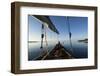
(46, 45)
(42, 36)
(69, 35)
(57, 38)
(46, 40)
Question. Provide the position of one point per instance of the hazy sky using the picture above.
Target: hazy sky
(78, 27)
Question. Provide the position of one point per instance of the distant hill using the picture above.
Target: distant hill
(84, 40)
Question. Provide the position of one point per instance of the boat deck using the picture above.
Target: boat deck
(59, 52)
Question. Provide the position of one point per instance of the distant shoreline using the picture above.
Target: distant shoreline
(84, 40)
(33, 41)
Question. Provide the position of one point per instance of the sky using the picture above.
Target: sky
(78, 28)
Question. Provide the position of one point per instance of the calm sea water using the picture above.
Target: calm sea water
(79, 49)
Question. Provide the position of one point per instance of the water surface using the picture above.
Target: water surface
(78, 49)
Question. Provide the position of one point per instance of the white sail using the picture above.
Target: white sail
(47, 22)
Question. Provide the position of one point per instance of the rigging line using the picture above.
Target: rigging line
(57, 38)
(46, 45)
(42, 31)
(46, 38)
(69, 31)
(42, 36)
